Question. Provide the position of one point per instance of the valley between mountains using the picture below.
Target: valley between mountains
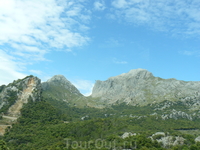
(136, 110)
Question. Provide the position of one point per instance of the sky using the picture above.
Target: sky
(88, 40)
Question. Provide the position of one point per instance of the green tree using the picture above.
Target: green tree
(3, 145)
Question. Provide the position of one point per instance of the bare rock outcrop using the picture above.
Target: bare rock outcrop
(140, 87)
(14, 95)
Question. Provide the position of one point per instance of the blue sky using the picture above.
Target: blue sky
(94, 40)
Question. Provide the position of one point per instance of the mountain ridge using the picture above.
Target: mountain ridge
(137, 87)
(140, 87)
(51, 111)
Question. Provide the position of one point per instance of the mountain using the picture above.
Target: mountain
(61, 82)
(140, 87)
(59, 89)
(16, 94)
(136, 107)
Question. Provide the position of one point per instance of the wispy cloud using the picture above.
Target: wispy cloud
(120, 3)
(30, 29)
(38, 72)
(119, 62)
(9, 69)
(48, 22)
(85, 86)
(173, 16)
(99, 5)
(39, 22)
(190, 53)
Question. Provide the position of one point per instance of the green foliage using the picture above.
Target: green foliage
(3, 145)
(11, 98)
(39, 112)
(158, 136)
(2, 87)
(60, 93)
(50, 124)
(189, 139)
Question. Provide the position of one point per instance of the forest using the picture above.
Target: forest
(43, 126)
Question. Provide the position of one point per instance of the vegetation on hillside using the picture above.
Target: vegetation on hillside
(11, 98)
(43, 126)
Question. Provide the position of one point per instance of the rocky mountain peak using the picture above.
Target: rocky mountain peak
(135, 73)
(140, 87)
(61, 81)
(58, 87)
(57, 79)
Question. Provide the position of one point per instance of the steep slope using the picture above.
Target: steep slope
(42, 125)
(14, 96)
(60, 89)
(140, 87)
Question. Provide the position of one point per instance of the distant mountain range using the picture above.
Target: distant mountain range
(136, 95)
(138, 87)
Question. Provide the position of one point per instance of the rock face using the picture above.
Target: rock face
(127, 134)
(58, 87)
(14, 95)
(167, 140)
(197, 139)
(140, 87)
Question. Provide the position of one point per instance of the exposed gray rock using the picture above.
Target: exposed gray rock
(84, 117)
(127, 134)
(165, 105)
(22, 90)
(159, 133)
(171, 141)
(176, 115)
(15, 95)
(140, 87)
(197, 139)
(167, 140)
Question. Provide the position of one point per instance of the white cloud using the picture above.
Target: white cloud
(172, 16)
(119, 3)
(99, 5)
(42, 24)
(9, 69)
(85, 86)
(119, 62)
(30, 29)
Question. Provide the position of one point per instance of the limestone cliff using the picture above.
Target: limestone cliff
(14, 95)
(140, 87)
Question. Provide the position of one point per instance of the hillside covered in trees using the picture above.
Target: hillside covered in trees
(42, 126)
